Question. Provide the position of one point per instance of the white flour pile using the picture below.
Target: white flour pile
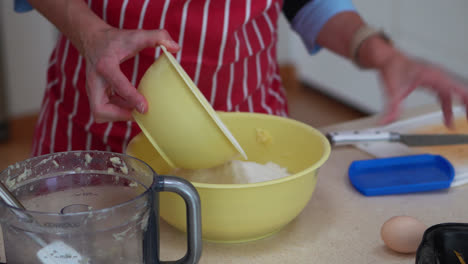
(235, 172)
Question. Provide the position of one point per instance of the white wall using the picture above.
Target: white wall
(28, 40)
(430, 29)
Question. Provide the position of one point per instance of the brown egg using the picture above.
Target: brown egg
(403, 233)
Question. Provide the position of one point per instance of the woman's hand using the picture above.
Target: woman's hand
(401, 75)
(111, 95)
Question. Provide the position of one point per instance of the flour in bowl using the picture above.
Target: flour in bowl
(235, 172)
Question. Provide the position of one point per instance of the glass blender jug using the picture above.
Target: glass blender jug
(90, 207)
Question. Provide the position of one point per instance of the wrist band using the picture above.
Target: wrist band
(361, 35)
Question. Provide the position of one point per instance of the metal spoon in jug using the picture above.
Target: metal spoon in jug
(56, 252)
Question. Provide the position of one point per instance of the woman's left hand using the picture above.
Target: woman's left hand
(401, 75)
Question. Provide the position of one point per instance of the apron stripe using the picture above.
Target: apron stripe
(249, 49)
(202, 42)
(278, 7)
(135, 69)
(41, 126)
(182, 30)
(134, 75)
(89, 135)
(41, 114)
(276, 95)
(236, 59)
(162, 22)
(221, 50)
(274, 75)
(44, 126)
(122, 14)
(264, 105)
(137, 56)
(247, 42)
(283, 113)
(270, 25)
(246, 94)
(143, 14)
(62, 93)
(52, 63)
(127, 134)
(259, 66)
(262, 88)
(247, 77)
(105, 137)
(75, 104)
(231, 79)
(259, 74)
(104, 11)
(259, 36)
(271, 61)
(237, 107)
(247, 11)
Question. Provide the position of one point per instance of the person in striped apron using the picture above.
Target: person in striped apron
(228, 47)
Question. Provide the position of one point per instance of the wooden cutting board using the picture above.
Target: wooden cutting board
(456, 154)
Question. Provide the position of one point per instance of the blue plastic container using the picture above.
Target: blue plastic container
(405, 174)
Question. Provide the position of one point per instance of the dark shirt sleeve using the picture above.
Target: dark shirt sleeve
(292, 7)
(308, 17)
(22, 6)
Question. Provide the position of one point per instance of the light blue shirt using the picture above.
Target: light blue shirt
(312, 17)
(307, 23)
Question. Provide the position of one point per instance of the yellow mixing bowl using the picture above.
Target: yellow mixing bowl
(245, 212)
(180, 123)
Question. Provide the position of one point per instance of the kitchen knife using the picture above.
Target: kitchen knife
(413, 140)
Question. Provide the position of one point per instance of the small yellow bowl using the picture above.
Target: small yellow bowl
(180, 123)
(243, 212)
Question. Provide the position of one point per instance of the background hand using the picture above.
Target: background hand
(401, 75)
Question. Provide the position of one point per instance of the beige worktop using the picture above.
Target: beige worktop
(338, 225)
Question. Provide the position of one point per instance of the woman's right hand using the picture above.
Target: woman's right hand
(111, 95)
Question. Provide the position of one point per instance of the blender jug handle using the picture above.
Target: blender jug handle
(190, 195)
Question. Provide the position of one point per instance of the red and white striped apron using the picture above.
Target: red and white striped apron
(228, 47)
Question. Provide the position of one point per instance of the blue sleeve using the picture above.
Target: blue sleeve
(312, 17)
(22, 6)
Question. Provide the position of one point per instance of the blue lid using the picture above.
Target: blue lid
(405, 174)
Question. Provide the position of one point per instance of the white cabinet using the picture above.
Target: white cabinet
(435, 30)
(430, 29)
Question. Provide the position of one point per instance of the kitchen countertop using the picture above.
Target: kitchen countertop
(338, 224)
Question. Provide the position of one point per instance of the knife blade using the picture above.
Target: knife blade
(412, 140)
